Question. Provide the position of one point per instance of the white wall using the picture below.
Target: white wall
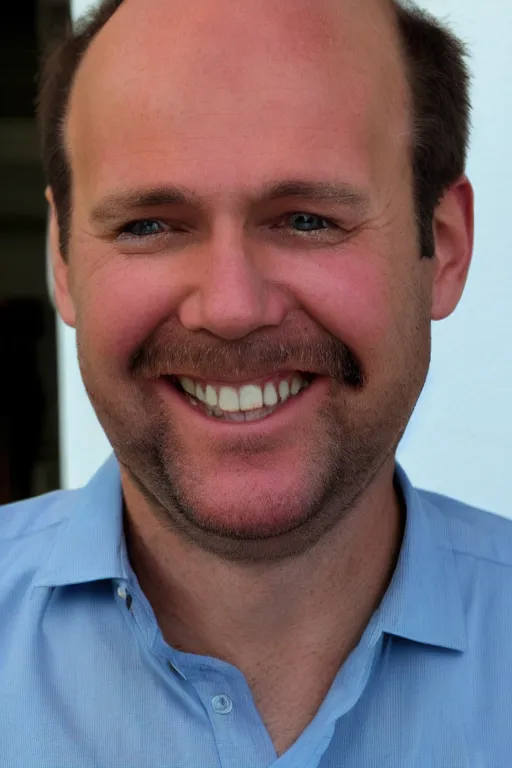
(79, 7)
(459, 441)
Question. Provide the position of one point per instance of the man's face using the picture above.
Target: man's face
(232, 289)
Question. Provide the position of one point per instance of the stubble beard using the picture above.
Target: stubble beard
(340, 468)
(354, 439)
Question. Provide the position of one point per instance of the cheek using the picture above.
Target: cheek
(123, 302)
(121, 305)
(352, 298)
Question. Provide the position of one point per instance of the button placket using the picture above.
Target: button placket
(237, 726)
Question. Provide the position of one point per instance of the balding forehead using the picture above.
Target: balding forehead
(313, 27)
(193, 67)
(389, 6)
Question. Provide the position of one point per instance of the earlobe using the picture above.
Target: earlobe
(60, 269)
(454, 234)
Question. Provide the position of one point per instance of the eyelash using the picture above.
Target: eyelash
(125, 230)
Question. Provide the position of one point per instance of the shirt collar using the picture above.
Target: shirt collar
(89, 545)
(423, 602)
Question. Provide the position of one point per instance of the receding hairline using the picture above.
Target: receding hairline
(390, 7)
(436, 99)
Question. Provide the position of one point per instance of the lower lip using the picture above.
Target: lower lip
(282, 417)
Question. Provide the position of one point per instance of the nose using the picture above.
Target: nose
(233, 293)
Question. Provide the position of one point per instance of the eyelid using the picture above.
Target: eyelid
(331, 222)
(310, 213)
(122, 230)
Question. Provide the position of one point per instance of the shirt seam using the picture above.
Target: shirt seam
(36, 532)
(484, 558)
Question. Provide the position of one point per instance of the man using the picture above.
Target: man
(257, 211)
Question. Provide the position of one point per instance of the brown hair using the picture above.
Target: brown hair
(438, 75)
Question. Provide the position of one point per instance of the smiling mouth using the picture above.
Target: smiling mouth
(248, 402)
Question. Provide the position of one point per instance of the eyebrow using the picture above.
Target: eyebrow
(118, 205)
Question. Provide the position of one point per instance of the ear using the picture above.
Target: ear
(454, 235)
(60, 269)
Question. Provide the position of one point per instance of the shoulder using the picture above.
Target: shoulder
(480, 546)
(477, 553)
(24, 518)
(27, 530)
(471, 533)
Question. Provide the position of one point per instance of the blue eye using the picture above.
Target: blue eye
(143, 228)
(304, 220)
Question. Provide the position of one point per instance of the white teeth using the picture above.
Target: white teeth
(251, 397)
(249, 400)
(188, 385)
(270, 397)
(284, 390)
(200, 393)
(296, 385)
(228, 400)
(211, 397)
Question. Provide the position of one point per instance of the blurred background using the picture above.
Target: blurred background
(29, 442)
(459, 441)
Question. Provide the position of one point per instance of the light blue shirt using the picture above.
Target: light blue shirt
(86, 678)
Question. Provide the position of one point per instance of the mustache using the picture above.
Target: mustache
(245, 359)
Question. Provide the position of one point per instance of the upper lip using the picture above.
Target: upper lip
(249, 377)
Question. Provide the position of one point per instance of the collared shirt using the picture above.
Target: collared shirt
(87, 681)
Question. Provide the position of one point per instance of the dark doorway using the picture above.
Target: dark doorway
(29, 444)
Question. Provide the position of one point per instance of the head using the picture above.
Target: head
(240, 194)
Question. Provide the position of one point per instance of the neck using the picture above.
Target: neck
(231, 611)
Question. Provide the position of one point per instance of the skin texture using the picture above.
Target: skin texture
(298, 526)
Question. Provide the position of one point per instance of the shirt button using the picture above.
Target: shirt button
(122, 593)
(222, 704)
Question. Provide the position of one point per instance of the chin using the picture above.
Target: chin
(247, 508)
